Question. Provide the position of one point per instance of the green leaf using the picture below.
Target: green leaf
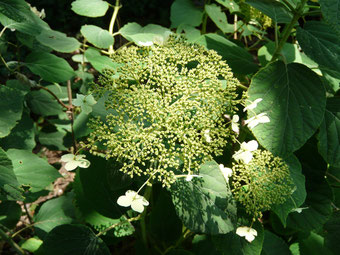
(23, 84)
(11, 105)
(22, 135)
(80, 125)
(331, 13)
(58, 41)
(294, 100)
(290, 53)
(10, 213)
(319, 194)
(43, 103)
(230, 4)
(9, 185)
(32, 244)
(322, 45)
(236, 245)
(165, 226)
(14, 9)
(332, 229)
(185, 12)
(205, 204)
(218, 17)
(313, 245)
(98, 61)
(31, 170)
(329, 135)
(54, 212)
(274, 245)
(55, 140)
(299, 195)
(90, 8)
(49, 67)
(273, 9)
(97, 36)
(75, 240)
(202, 245)
(138, 34)
(237, 58)
(85, 102)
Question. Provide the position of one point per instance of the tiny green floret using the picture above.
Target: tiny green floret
(167, 103)
(261, 183)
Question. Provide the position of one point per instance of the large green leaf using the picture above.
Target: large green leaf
(329, 135)
(299, 195)
(236, 245)
(274, 245)
(322, 45)
(202, 245)
(97, 36)
(49, 67)
(138, 34)
(54, 212)
(73, 239)
(31, 170)
(9, 185)
(205, 204)
(90, 8)
(185, 12)
(14, 9)
(22, 135)
(230, 4)
(332, 228)
(331, 13)
(314, 245)
(274, 9)
(317, 206)
(11, 105)
(58, 41)
(237, 58)
(98, 61)
(218, 17)
(294, 100)
(43, 103)
(10, 213)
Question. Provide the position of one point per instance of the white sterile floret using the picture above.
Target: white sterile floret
(247, 232)
(145, 44)
(252, 105)
(244, 153)
(234, 124)
(226, 171)
(73, 161)
(191, 176)
(131, 198)
(207, 136)
(257, 119)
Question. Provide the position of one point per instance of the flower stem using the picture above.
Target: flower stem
(15, 246)
(71, 114)
(288, 29)
(112, 22)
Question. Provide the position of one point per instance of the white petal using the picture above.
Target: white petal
(253, 123)
(247, 157)
(67, 157)
(236, 118)
(227, 172)
(137, 205)
(80, 157)
(247, 232)
(235, 128)
(149, 43)
(249, 238)
(238, 155)
(71, 165)
(189, 178)
(242, 231)
(144, 201)
(264, 119)
(83, 163)
(252, 105)
(124, 201)
(251, 145)
(131, 194)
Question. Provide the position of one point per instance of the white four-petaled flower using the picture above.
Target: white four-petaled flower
(207, 136)
(244, 153)
(234, 124)
(252, 105)
(131, 198)
(257, 119)
(73, 161)
(247, 232)
(227, 172)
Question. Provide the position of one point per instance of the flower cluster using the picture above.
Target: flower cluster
(261, 183)
(166, 105)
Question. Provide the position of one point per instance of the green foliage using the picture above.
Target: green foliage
(184, 12)
(90, 8)
(205, 204)
(10, 213)
(99, 37)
